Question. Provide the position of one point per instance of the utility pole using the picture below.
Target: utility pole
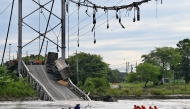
(126, 67)
(63, 29)
(131, 67)
(19, 36)
(77, 67)
(9, 54)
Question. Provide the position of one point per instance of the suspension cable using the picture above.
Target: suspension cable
(47, 27)
(5, 9)
(7, 33)
(68, 30)
(39, 28)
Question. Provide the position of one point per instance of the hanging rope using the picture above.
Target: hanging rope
(7, 33)
(107, 20)
(156, 8)
(94, 35)
(134, 19)
(87, 11)
(94, 16)
(120, 20)
(78, 24)
(94, 22)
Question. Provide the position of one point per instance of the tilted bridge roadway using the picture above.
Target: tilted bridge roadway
(46, 84)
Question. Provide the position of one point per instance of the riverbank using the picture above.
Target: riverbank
(132, 97)
(19, 99)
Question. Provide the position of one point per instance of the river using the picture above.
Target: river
(121, 104)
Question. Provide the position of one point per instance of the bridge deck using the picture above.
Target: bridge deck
(58, 91)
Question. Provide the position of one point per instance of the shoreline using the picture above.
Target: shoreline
(100, 98)
(19, 99)
(134, 97)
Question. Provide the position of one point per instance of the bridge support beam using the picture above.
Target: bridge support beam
(63, 45)
(19, 55)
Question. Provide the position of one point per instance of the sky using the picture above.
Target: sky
(160, 25)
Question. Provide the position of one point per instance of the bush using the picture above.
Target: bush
(137, 92)
(157, 92)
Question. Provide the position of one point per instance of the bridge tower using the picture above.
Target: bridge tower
(20, 22)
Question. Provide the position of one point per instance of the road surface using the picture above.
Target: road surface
(58, 91)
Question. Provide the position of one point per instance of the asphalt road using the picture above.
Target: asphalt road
(58, 91)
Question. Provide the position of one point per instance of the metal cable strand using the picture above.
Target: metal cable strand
(7, 33)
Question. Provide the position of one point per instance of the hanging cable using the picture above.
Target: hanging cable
(134, 19)
(107, 20)
(39, 28)
(57, 36)
(156, 8)
(7, 33)
(120, 20)
(68, 30)
(47, 26)
(78, 24)
(91, 30)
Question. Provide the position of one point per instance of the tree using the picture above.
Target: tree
(148, 72)
(165, 57)
(113, 76)
(89, 65)
(184, 49)
(131, 77)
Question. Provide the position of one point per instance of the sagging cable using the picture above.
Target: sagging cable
(87, 11)
(67, 5)
(94, 17)
(117, 17)
(135, 5)
(107, 20)
(57, 45)
(106, 14)
(134, 19)
(120, 20)
(94, 35)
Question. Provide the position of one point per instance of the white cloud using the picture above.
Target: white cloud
(115, 44)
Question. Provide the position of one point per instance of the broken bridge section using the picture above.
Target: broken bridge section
(48, 87)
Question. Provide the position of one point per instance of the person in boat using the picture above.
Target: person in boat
(150, 107)
(135, 107)
(143, 107)
(155, 107)
(77, 106)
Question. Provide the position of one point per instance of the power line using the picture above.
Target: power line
(7, 32)
(6, 8)
(76, 24)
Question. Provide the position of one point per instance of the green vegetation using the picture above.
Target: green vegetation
(12, 86)
(164, 71)
(165, 89)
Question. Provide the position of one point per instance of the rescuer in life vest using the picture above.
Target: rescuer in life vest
(150, 107)
(135, 107)
(155, 107)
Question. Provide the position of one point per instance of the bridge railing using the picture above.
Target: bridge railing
(77, 91)
(43, 93)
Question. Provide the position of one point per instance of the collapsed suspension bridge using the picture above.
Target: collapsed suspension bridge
(45, 83)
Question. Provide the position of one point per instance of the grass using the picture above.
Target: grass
(164, 89)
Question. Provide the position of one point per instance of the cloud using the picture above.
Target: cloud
(114, 44)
